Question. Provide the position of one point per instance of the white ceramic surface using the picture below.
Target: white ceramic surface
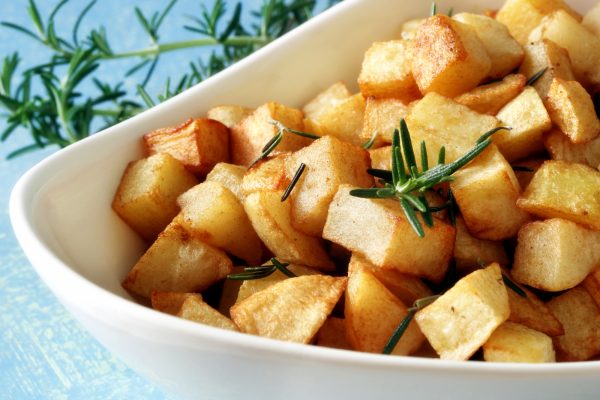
(61, 214)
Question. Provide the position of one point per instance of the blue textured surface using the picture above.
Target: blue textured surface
(44, 352)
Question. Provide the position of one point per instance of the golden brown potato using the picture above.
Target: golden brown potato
(512, 342)
(382, 116)
(344, 120)
(177, 262)
(228, 175)
(462, 319)
(228, 115)
(146, 198)
(564, 190)
(555, 254)
(373, 313)
(386, 72)
(448, 57)
(326, 100)
(266, 175)
(381, 158)
(333, 334)
(490, 98)
(292, 310)
(199, 144)
(560, 147)
(471, 253)
(195, 309)
(169, 302)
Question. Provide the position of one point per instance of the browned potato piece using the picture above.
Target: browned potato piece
(528, 118)
(177, 262)
(386, 72)
(292, 310)
(591, 20)
(512, 342)
(471, 253)
(250, 135)
(213, 214)
(505, 52)
(560, 147)
(382, 116)
(448, 57)
(464, 317)
(326, 100)
(229, 115)
(169, 302)
(564, 190)
(333, 334)
(379, 230)
(524, 177)
(580, 316)
(571, 108)
(195, 309)
(592, 285)
(546, 54)
(199, 144)
(555, 254)
(329, 162)
(266, 175)
(522, 16)
(373, 313)
(381, 158)
(486, 191)
(271, 219)
(146, 198)
(344, 120)
(490, 98)
(230, 176)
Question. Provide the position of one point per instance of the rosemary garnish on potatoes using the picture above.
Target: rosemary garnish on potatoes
(535, 77)
(275, 140)
(262, 271)
(293, 182)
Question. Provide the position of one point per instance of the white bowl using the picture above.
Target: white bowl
(62, 217)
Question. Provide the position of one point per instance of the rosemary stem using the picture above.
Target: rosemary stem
(105, 112)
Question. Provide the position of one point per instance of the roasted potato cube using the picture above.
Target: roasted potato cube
(199, 144)
(228, 175)
(592, 285)
(564, 190)
(591, 20)
(555, 254)
(471, 253)
(344, 120)
(489, 183)
(525, 176)
(271, 219)
(329, 162)
(333, 334)
(572, 110)
(379, 230)
(169, 302)
(177, 262)
(381, 158)
(146, 198)
(462, 319)
(580, 316)
(448, 57)
(386, 72)
(512, 342)
(213, 214)
(522, 16)
(195, 309)
(373, 313)
(490, 98)
(229, 115)
(250, 135)
(560, 147)
(292, 310)
(266, 175)
(504, 51)
(382, 116)
(528, 118)
(326, 100)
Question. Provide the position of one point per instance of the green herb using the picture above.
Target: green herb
(371, 141)
(433, 9)
(292, 184)
(397, 335)
(410, 187)
(536, 76)
(60, 114)
(515, 288)
(262, 271)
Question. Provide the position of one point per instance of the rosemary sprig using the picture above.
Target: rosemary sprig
(513, 286)
(293, 182)
(370, 142)
(262, 271)
(535, 77)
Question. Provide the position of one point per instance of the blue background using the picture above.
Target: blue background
(44, 352)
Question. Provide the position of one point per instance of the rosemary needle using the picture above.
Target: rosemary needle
(535, 77)
(275, 140)
(262, 271)
(293, 182)
(512, 285)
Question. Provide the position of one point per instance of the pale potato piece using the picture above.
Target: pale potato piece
(344, 120)
(522, 16)
(271, 219)
(504, 51)
(524, 177)
(386, 72)
(512, 342)
(333, 334)
(382, 116)
(195, 309)
(268, 174)
(228, 115)
(213, 214)
(329, 163)
(560, 147)
(486, 191)
(292, 310)
(490, 98)
(448, 57)
(564, 190)
(471, 253)
(169, 302)
(379, 230)
(177, 262)
(555, 254)
(381, 158)
(462, 319)
(528, 118)
(249, 136)
(199, 144)
(372, 315)
(572, 110)
(326, 100)
(580, 316)
(230, 176)
(146, 198)
(591, 20)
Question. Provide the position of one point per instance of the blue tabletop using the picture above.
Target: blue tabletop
(44, 352)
